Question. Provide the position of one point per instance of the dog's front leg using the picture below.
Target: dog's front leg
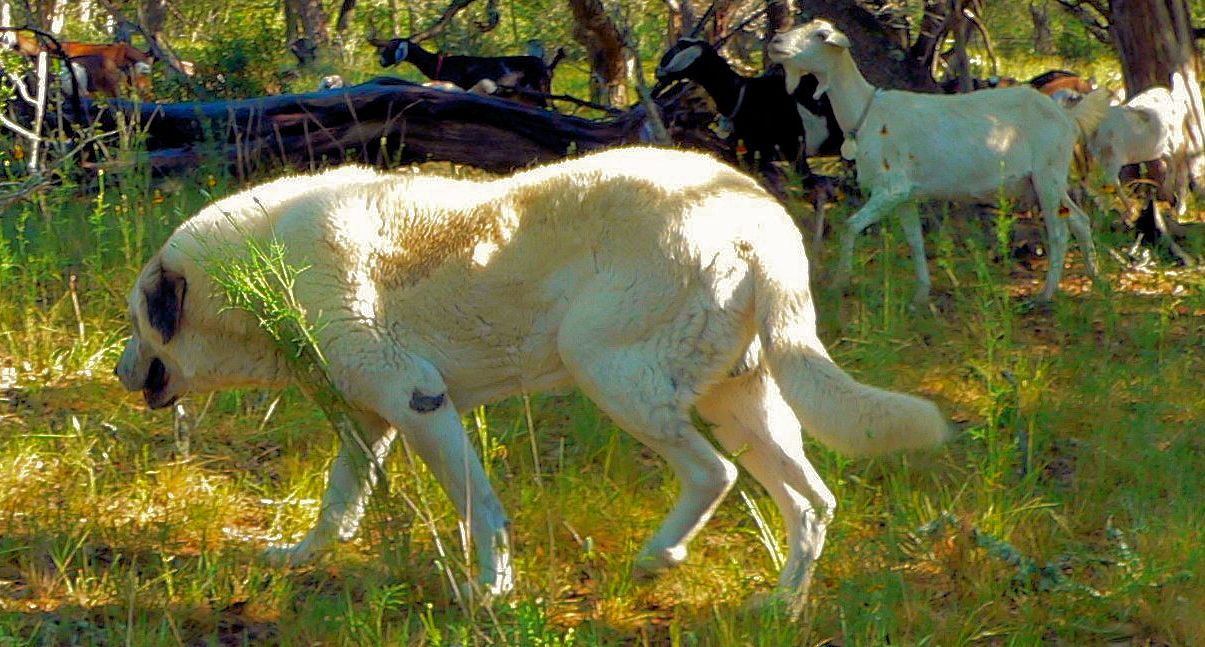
(353, 474)
(433, 429)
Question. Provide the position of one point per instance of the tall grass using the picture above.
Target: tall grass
(1068, 511)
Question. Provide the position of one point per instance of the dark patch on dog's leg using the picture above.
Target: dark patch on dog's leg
(426, 403)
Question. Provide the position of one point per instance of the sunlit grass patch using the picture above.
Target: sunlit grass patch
(1067, 509)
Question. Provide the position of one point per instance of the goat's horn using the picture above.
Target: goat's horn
(702, 21)
(735, 30)
(372, 37)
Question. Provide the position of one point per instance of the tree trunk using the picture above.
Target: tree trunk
(876, 47)
(595, 30)
(1043, 39)
(721, 20)
(1154, 40)
(780, 16)
(312, 18)
(292, 32)
(395, 18)
(153, 17)
(961, 60)
(346, 10)
(680, 20)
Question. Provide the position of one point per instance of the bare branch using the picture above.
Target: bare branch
(973, 15)
(444, 19)
(1093, 14)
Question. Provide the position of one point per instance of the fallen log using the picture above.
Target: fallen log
(384, 122)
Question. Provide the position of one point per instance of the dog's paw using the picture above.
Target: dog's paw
(484, 594)
(303, 552)
(285, 555)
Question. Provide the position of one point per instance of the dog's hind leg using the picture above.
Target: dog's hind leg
(754, 423)
(352, 477)
(649, 393)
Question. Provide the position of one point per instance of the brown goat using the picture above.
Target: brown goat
(102, 69)
(123, 55)
(101, 77)
(1054, 80)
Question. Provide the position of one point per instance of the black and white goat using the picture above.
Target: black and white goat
(772, 124)
(527, 74)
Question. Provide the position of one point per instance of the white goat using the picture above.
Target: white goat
(968, 147)
(1149, 127)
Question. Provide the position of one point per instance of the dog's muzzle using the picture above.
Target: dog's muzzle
(154, 391)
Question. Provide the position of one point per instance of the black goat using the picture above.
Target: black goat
(772, 124)
(526, 74)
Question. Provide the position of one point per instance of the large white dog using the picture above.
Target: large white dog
(653, 280)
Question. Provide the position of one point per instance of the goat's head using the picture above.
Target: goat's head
(27, 45)
(391, 52)
(813, 48)
(679, 58)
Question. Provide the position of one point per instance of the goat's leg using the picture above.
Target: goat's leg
(1164, 232)
(910, 220)
(1050, 197)
(880, 203)
(1081, 226)
(818, 233)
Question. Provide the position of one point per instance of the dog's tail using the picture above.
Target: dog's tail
(848, 416)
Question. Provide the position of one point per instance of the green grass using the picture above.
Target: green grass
(1067, 511)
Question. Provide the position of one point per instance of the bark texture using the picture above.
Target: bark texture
(604, 43)
(876, 46)
(1154, 39)
(388, 122)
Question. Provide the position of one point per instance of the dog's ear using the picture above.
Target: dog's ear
(165, 303)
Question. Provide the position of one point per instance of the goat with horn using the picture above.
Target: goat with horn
(528, 77)
(771, 124)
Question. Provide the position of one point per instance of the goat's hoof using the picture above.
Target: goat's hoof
(482, 595)
(1036, 305)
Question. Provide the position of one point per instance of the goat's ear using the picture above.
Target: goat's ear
(165, 303)
(838, 39)
(683, 59)
(399, 54)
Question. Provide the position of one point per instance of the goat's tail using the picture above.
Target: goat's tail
(1090, 112)
(842, 413)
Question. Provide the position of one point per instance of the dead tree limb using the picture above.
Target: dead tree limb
(384, 122)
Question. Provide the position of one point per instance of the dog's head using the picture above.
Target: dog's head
(157, 313)
(184, 340)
